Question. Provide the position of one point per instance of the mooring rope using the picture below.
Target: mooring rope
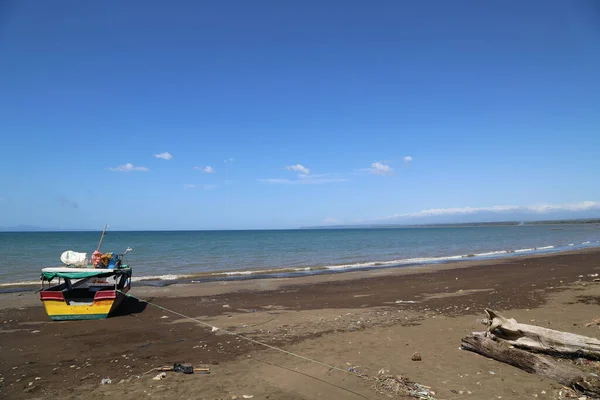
(215, 328)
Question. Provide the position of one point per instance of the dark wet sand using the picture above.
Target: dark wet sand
(345, 320)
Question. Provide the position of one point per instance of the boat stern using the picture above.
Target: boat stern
(60, 308)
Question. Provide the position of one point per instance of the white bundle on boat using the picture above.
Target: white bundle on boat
(74, 258)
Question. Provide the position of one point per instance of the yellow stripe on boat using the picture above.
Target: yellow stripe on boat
(59, 310)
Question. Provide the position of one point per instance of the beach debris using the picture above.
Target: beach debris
(416, 357)
(106, 381)
(523, 345)
(29, 388)
(183, 368)
(247, 396)
(400, 386)
(160, 376)
(354, 369)
(164, 317)
(36, 331)
(406, 301)
(533, 337)
(595, 321)
(214, 329)
(88, 376)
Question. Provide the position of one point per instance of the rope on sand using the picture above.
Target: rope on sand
(214, 329)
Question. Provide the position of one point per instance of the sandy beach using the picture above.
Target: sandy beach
(370, 322)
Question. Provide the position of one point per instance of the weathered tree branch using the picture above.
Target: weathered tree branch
(536, 338)
(562, 372)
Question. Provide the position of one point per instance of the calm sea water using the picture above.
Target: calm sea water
(168, 255)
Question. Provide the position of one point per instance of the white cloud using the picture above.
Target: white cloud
(129, 167)
(379, 168)
(298, 168)
(229, 160)
(537, 208)
(408, 159)
(208, 169)
(330, 220)
(304, 181)
(164, 156)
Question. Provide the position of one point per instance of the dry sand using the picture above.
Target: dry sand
(371, 322)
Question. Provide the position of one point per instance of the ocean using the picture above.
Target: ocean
(166, 256)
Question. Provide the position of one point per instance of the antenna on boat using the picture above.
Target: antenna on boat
(102, 237)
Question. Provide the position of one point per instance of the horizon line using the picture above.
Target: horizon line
(563, 221)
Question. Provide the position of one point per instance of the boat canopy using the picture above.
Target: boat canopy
(81, 273)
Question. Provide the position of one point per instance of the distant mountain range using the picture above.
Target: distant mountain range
(474, 219)
(478, 219)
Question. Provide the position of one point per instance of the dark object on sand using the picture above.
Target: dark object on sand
(185, 368)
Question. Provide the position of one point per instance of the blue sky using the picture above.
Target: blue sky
(382, 109)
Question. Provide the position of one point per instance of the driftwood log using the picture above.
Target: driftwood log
(485, 344)
(544, 340)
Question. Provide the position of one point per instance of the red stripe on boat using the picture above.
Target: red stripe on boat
(52, 296)
(105, 295)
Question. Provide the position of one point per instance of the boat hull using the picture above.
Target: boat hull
(59, 308)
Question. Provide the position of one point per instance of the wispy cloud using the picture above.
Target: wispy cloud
(537, 208)
(208, 169)
(379, 168)
(408, 159)
(298, 168)
(194, 186)
(129, 167)
(305, 177)
(229, 160)
(164, 156)
(304, 181)
(330, 220)
(66, 203)
(315, 176)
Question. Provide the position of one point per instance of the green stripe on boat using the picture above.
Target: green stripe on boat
(68, 317)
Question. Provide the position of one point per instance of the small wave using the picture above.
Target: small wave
(524, 250)
(492, 253)
(22, 283)
(157, 278)
(545, 248)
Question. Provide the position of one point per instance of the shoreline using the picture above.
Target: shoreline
(298, 272)
(174, 289)
(367, 321)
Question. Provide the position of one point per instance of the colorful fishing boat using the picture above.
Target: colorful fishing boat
(85, 289)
